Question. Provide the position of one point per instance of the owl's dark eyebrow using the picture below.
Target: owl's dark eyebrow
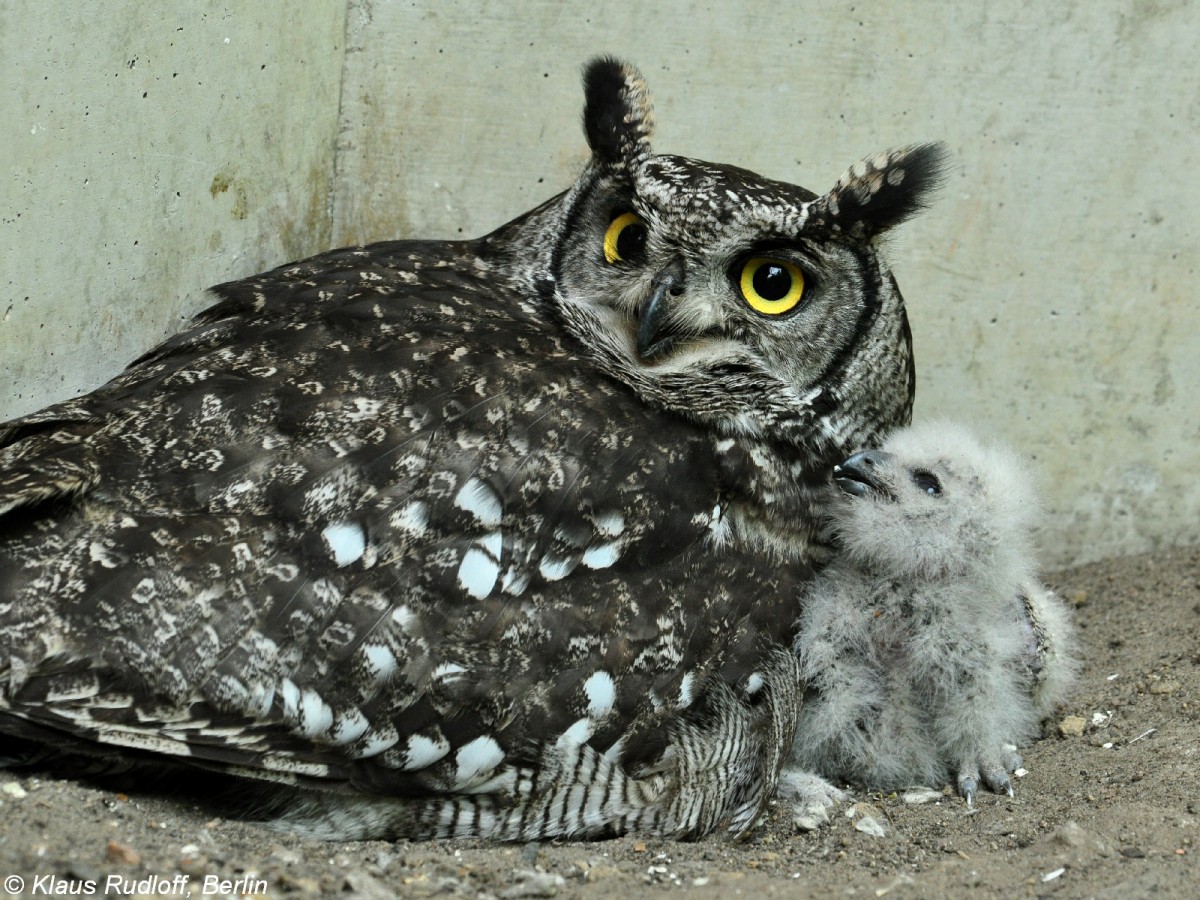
(797, 251)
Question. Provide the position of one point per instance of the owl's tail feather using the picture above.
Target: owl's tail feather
(718, 771)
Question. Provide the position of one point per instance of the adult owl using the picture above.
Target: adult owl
(929, 649)
(495, 537)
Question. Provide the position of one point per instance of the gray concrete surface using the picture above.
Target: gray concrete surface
(1050, 288)
(148, 151)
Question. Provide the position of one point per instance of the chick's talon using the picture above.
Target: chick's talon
(967, 785)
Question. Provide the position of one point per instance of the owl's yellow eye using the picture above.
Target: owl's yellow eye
(625, 239)
(771, 286)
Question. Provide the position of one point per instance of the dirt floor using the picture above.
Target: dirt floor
(1110, 807)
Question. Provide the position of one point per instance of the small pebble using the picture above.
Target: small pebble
(14, 790)
(1072, 726)
(195, 865)
(534, 884)
(283, 856)
(1071, 835)
(868, 825)
(294, 885)
(115, 851)
(810, 819)
(920, 795)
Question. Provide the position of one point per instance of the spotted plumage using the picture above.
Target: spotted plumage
(928, 647)
(494, 537)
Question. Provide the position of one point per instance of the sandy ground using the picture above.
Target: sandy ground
(1110, 807)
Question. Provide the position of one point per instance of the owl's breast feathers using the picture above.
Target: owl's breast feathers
(371, 522)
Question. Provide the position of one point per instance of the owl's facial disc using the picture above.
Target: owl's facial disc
(657, 330)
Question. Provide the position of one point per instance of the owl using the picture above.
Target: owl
(490, 538)
(928, 648)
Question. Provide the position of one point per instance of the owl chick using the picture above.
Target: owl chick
(928, 645)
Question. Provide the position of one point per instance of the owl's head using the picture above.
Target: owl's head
(754, 306)
(936, 502)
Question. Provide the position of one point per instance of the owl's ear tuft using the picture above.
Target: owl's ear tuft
(882, 191)
(617, 117)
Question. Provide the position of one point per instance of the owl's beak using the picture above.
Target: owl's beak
(656, 332)
(859, 474)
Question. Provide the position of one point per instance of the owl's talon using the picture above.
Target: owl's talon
(967, 786)
(997, 780)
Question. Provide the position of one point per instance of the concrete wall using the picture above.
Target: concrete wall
(149, 150)
(1049, 288)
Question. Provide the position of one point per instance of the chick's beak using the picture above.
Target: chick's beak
(860, 474)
